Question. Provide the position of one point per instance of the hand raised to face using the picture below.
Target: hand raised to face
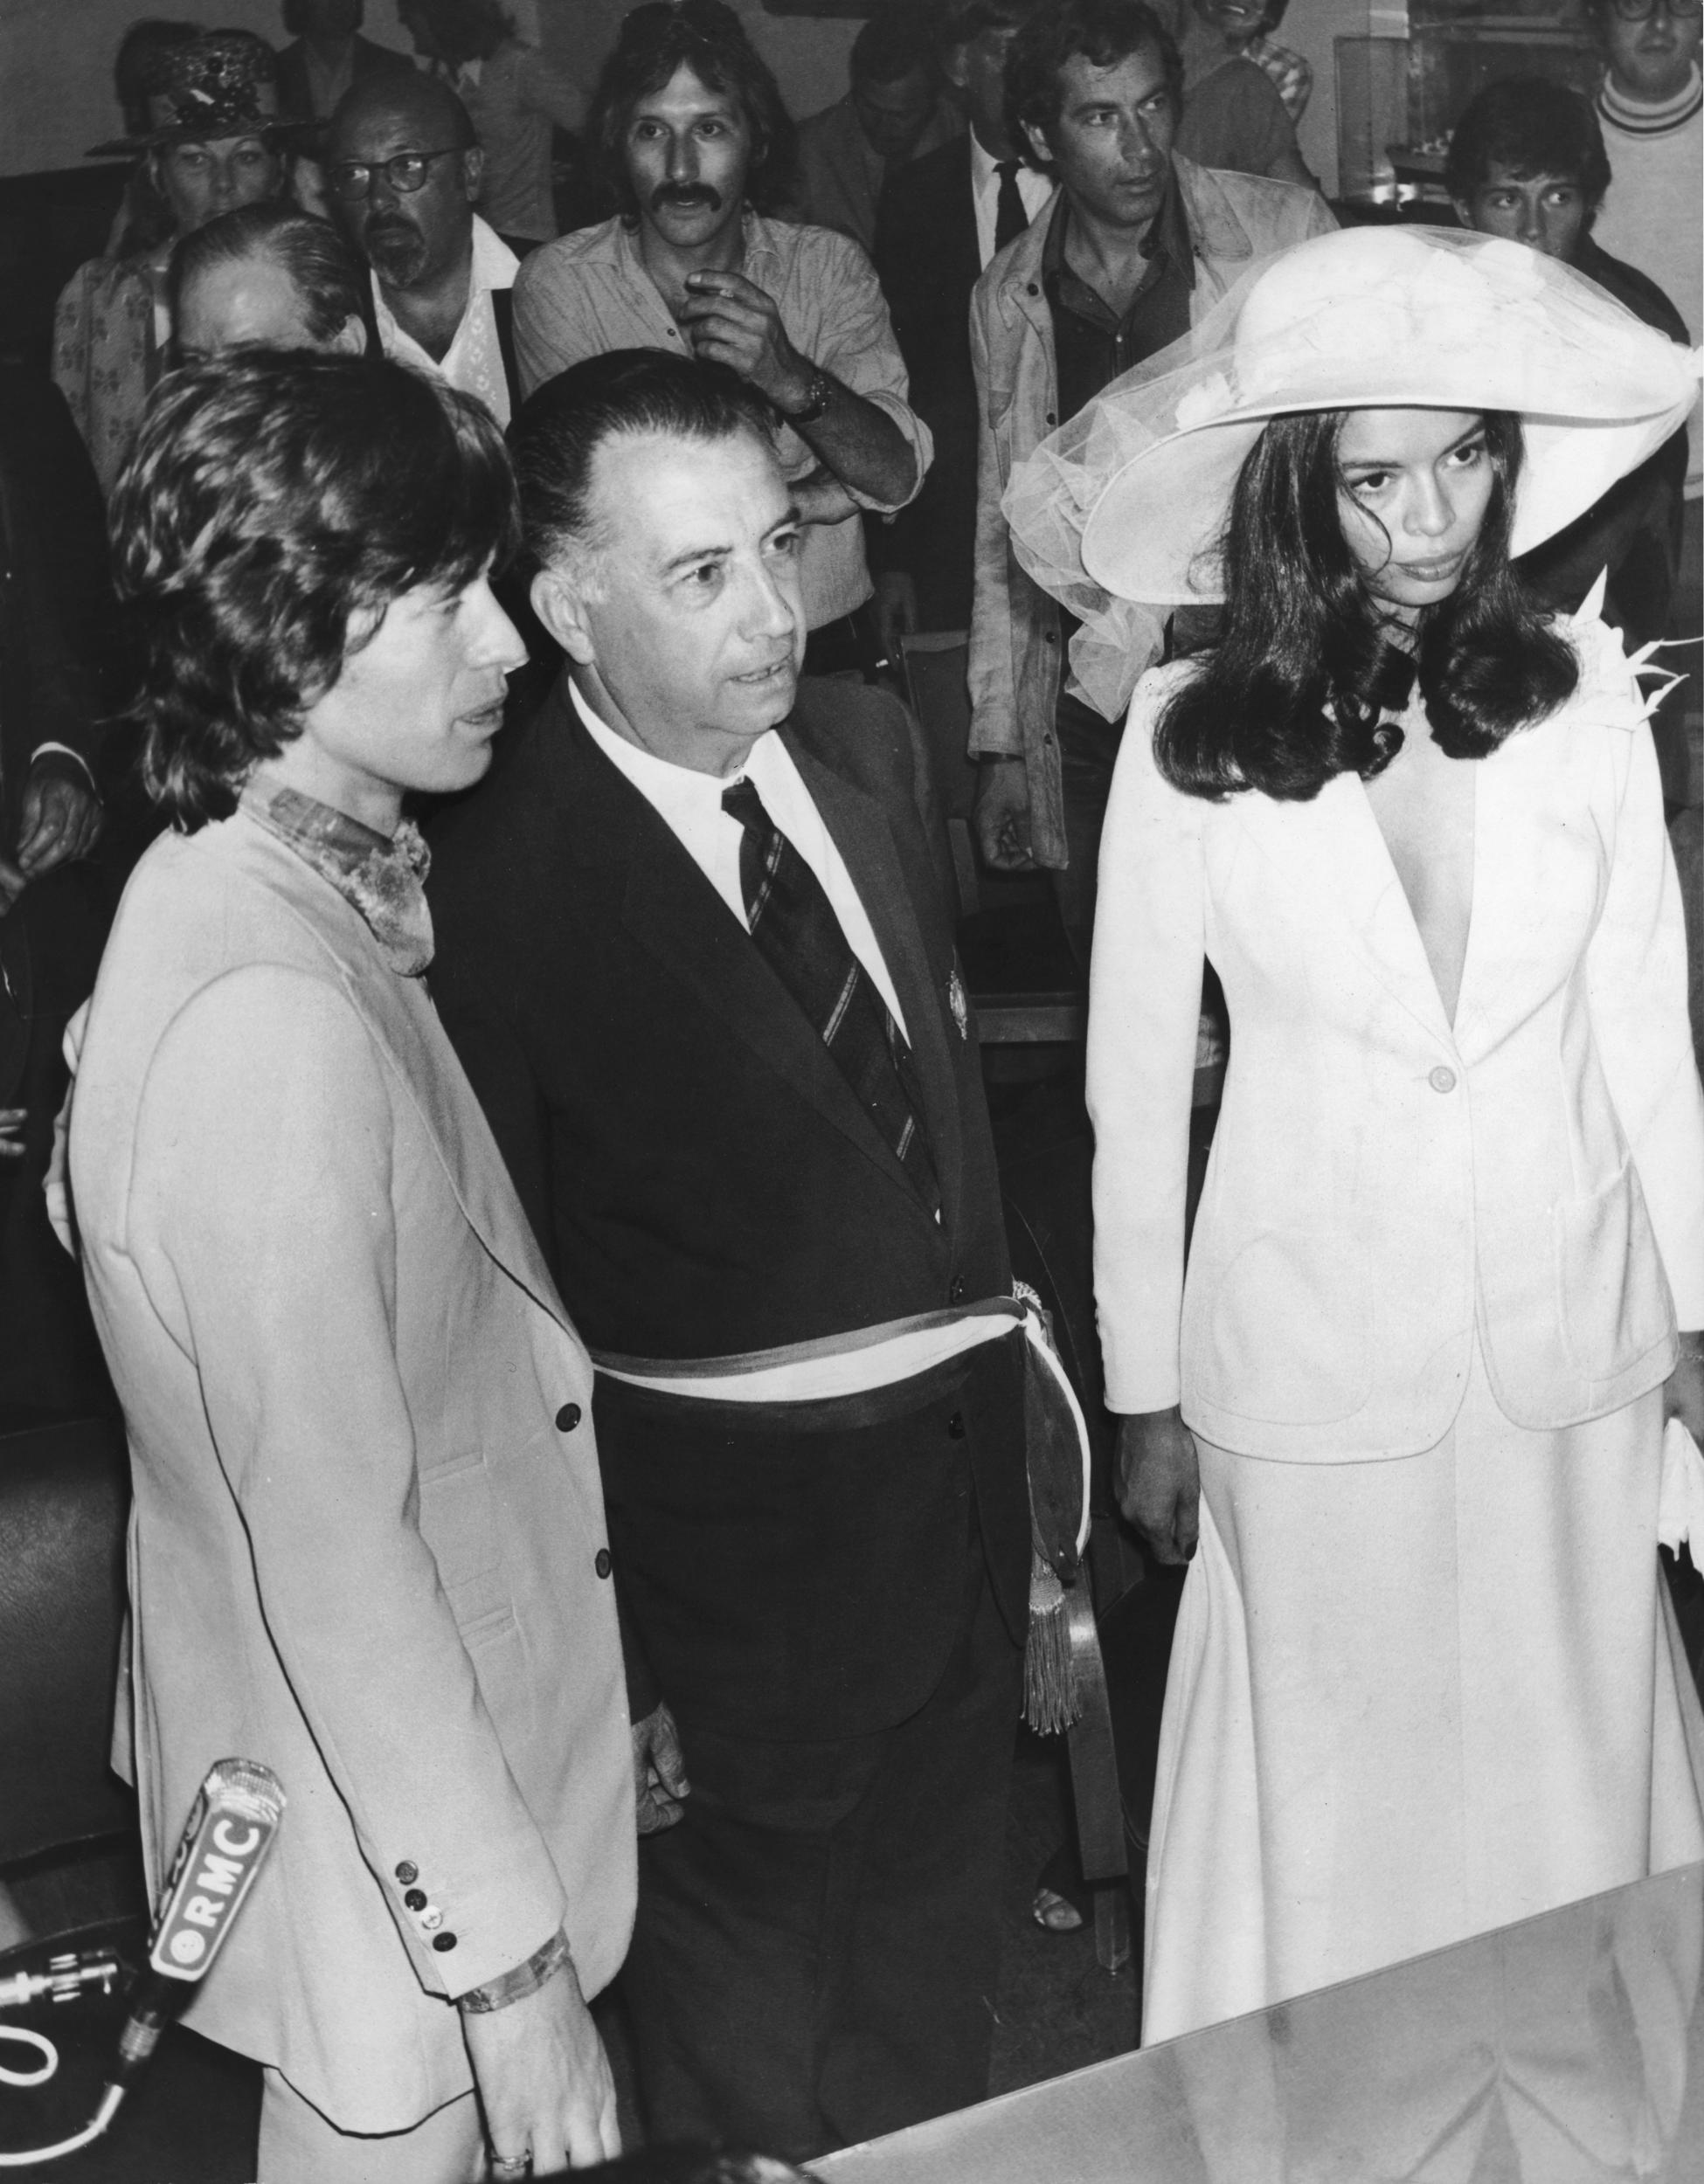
(729, 320)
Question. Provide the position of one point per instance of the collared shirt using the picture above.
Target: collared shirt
(474, 361)
(1092, 345)
(1035, 187)
(1292, 79)
(690, 805)
(382, 877)
(515, 97)
(590, 291)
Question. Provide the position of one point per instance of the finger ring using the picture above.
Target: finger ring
(510, 2165)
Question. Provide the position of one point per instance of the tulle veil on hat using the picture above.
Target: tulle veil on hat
(1119, 514)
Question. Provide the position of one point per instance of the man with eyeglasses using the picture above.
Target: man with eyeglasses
(403, 169)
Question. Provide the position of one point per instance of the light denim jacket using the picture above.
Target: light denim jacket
(1015, 644)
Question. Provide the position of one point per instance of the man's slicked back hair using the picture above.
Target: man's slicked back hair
(708, 38)
(1104, 32)
(625, 393)
(319, 263)
(274, 507)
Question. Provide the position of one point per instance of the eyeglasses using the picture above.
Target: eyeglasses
(1636, 10)
(353, 179)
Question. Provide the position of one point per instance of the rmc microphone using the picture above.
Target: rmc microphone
(229, 1833)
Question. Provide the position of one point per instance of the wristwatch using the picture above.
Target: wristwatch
(817, 402)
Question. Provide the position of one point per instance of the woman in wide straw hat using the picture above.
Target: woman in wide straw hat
(1407, 1410)
(216, 139)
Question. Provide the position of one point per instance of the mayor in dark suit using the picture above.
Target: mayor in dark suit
(691, 950)
(939, 222)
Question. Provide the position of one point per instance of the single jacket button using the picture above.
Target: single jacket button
(956, 1293)
(567, 1418)
(408, 1873)
(955, 1425)
(432, 1918)
(443, 1943)
(1442, 1079)
(603, 1564)
(415, 1899)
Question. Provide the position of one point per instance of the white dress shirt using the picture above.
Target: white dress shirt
(1035, 189)
(690, 805)
(474, 361)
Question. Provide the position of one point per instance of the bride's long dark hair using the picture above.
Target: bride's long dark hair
(1307, 671)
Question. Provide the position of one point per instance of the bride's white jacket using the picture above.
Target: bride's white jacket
(1382, 1184)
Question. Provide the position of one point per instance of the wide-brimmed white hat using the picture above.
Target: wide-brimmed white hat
(1127, 502)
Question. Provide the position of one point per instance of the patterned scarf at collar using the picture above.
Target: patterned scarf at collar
(382, 879)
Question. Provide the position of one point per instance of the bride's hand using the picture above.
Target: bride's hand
(1160, 1483)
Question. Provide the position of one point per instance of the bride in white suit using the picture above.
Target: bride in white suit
(1407, 1409)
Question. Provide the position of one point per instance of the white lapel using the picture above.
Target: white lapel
(1330, 856)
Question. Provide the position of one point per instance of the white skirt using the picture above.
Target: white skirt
(1410, 1700)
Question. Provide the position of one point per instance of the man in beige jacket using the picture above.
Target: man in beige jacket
(368, 1545)
(1137, 244)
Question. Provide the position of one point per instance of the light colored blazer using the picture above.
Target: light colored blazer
(368, 1517)
(1383, 1186)
(1015, 668)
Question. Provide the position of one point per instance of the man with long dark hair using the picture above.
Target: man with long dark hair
(695, 145)
(369, 1543)
(1139, 242)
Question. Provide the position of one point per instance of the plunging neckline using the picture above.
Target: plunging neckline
(1442, 919)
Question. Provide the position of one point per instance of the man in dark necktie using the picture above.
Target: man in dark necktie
(692, 953)
(941, 220)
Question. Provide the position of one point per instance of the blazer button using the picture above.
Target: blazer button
(955, 1425)
(443, 1943)
(408, 1873)
(416, 1899)
(956, 1293)
(1442, 1079)
(567, 1418)
(602, 1563)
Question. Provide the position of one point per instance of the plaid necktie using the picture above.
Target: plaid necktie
(1010, 219)
(795, 926)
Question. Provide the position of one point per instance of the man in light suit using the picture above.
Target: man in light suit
(693, 955)
(369, 1545)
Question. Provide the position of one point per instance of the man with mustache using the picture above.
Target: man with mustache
(403, 169)
(692, 954)
(690, 135)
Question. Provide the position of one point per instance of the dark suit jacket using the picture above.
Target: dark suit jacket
(927, 261)
(58, 646)
(370, 61)
(703, 1182)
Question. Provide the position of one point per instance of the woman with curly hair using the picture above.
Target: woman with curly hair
(1406, 1412)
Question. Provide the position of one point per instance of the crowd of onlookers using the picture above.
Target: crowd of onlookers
(906, 297)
